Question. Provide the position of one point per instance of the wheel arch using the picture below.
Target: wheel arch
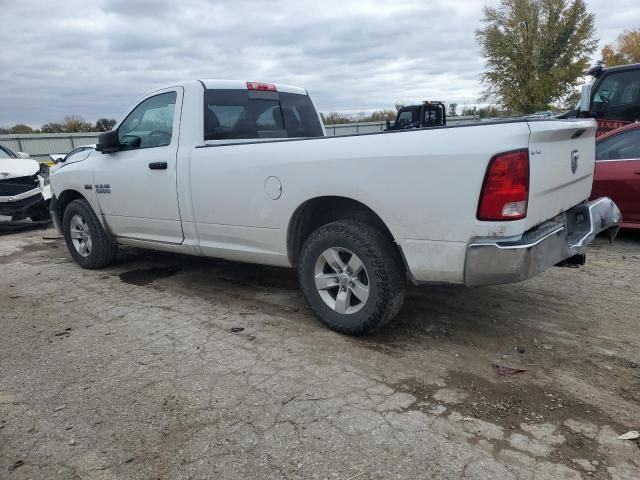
(318, 211)
(60, 202)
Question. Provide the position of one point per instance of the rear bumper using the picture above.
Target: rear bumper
(491, 262)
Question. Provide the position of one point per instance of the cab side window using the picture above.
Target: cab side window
(618, 96)
(233, 114)
(150, 124)
(406, 118)
(240, 114)
(625, 146)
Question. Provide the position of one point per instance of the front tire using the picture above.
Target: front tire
(87, 242)
(351, 277)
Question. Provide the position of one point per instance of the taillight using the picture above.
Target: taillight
(265, 87)
(505, 192)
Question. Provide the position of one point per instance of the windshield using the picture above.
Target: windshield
(4, 153)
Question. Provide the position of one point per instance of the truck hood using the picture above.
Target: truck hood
(17, 167)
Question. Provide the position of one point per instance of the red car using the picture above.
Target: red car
(617, 173)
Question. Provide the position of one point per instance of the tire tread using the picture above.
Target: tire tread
(388, 274)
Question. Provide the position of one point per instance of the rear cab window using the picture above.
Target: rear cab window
(235, 114)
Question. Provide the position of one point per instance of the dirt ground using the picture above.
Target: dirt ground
(174, 367)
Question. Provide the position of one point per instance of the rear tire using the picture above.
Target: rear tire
(351, 277)
(87, 242)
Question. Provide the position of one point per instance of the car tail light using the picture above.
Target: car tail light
(265, 87)
(505, 192)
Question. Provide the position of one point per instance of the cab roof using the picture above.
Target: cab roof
(242, 85)
(631, 66)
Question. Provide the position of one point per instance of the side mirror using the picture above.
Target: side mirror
(108, 142)
(585, 98)
(22, 155)
(57, 157)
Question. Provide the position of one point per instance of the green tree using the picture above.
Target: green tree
(625, 50)
(333, 118)
(535, 50)
(469, 111)
(75, 123)
(105, 124)
(453, 108)
(571, 100)
(379, 116)
(20, 128)
(53, 127)
(490, 111)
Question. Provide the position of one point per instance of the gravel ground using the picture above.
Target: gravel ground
(175, 367)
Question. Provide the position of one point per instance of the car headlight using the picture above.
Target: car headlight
(44, 171)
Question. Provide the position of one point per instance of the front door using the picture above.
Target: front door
(617, 172)
(136, 187)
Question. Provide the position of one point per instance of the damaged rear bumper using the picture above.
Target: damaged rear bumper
(562, 240)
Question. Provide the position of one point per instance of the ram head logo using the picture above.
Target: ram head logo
(575, 157)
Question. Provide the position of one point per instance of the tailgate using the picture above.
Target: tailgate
(562, 158)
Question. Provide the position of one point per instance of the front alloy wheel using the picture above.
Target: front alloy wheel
(80, 235)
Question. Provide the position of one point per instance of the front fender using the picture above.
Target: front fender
(56, 214)
(59, 203)
(74, 180)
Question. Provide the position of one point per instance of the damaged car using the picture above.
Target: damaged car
(24, 187)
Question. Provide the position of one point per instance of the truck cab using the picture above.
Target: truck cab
(612, 98)
(427, 114)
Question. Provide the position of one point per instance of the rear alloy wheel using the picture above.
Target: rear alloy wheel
(351, 277)
(341, 280)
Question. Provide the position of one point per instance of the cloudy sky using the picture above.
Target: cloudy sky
(95, 57)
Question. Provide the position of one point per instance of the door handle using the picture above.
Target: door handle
(158, 166)
(637, 173)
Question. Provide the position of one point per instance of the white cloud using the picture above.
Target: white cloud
(95, 58)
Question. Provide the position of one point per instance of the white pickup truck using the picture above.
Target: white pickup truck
(244, 171)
